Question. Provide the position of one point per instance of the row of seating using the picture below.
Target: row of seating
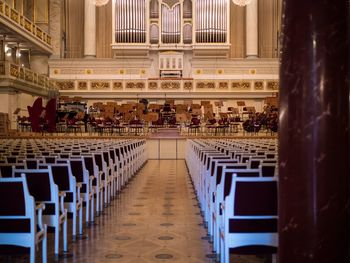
(236, 186)
(56, 181)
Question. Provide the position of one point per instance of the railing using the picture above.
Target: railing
(13, 71)
(23, 22)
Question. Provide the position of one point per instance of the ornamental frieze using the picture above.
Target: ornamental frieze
(65, 85)
(153, 85)
(240, 85)
(118, 85)
(170, 85)
(135, 85)
(272, 85)
(223, 85)
(82, 85)
(258, 85)
(100, 85)
(205, 85)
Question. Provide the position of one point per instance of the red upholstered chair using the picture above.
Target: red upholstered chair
(34, 114)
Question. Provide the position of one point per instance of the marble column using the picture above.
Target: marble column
(314, 172)
(56, 11)
(252, 29)
(89, 29)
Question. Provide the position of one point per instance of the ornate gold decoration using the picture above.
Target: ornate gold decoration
(39, 33)
(7, 10)
(153, 85)
(170, 85)
(240, 85)
(65, 85)
(188, 85)
(198, 71)
(206, 85)
(27, 25)
(223, 85)
(121, 72)
(28, 76)
(55, 71)
(135, 85)
(220, 71)
(272, 85)
(1, 7)
(99, 85)
(142, 71)
(258, 85)
(41, 80)
(88, 71)
(14, 15)
(82, 85)
(14, 71)
(117, 85)
(252, 71)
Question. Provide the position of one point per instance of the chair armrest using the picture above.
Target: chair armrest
(62, 195)
(79, 186)
(40, 207)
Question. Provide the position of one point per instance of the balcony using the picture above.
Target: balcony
(25, 30)
(14, 77)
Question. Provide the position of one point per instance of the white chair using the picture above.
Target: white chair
(21, 221)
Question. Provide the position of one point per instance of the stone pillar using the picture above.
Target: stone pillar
(314, 173)
(252, 29)
(89, 29)
(56, 27)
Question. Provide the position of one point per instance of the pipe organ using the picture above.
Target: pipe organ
(130, 21)
(198, 25)
(211, 21)
(171, 24)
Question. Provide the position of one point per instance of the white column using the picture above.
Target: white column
(89, 29)
(252, 29)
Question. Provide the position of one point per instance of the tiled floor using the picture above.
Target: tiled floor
(154, 219)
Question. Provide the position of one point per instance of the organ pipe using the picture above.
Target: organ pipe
(130, 21)
(211, 21)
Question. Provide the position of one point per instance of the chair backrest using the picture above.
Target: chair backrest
(254, 197)
(40, 183)
(50, 159)
(78, 166)
(31, 163)
(268, 170)
(61, 175)
(13, 195)
(6, 170)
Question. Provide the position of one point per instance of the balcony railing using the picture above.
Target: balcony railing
(41, 83)
(21, 21)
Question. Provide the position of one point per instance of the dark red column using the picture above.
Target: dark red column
(314, 182)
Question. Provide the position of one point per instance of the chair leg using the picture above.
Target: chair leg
(57, 238)
(81, 219)
(32, 252)
(92, 211)
(44, 246)
(87, 208)
(74, 227)
(65, 243)
(274, 258)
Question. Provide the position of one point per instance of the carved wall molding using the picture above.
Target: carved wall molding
(205, 85)
(82, 85)
(100, 85)
(258, 85)
(170, 85)
(272, 85)
(188, 85)
(153, 85)
(117, 85)
(240, 85)
(65, 85)
(223, 85)
(135, 85)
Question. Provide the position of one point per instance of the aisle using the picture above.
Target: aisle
(155, 219)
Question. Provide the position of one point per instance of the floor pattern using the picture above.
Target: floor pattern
(155, 219)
